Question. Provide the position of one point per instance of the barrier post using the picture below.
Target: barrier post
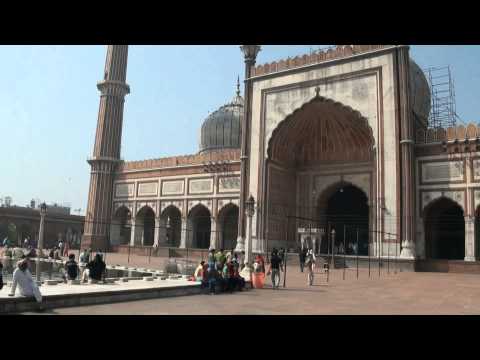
(344, 249)
(388, 255)
(396, 251)
(379, 250)
(368, 260)
(357, 253)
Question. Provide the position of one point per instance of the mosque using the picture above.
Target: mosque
(334, 147)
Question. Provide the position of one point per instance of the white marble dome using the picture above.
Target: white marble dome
(420, 97)
(223, 128)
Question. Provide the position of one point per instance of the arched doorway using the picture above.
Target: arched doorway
(171, 226)
(199, 229)
(145, 227)
(444, 230)
(228, 227)
(321, 141)
(344, 208)
(122, 227)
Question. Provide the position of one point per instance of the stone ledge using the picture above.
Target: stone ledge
(21, 304)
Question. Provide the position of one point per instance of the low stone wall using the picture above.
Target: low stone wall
(448, 266)
(15, 305)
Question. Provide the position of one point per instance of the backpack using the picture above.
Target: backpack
(308, 259)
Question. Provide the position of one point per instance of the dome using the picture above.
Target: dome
(222, 129)
(420, 97)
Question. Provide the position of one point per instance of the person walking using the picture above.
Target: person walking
(302, 254)
(220, 259)
(310, 264)
(67, 249)
(83, 257)
(275, 267)
(24, 280)
(281, 254)
(1, 275)
(60, 248)
(212, 277)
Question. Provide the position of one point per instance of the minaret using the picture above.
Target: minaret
(106, 152)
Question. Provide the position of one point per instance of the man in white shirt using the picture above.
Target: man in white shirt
(23, 278)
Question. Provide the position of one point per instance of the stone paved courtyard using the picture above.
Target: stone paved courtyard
(403, 293)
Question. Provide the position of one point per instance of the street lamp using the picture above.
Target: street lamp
(333, 248)
(250, 52)
(250, 210)
(43, 213)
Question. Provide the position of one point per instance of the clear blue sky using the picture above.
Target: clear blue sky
(49, 104)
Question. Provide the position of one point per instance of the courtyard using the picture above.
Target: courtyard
(401, 293)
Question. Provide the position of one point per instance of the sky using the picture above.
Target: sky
(49, 106)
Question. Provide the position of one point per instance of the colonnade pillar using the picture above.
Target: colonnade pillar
(184, 234)
(213, 234)
(469, 238)
(156, 236)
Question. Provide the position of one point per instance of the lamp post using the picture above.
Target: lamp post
(250, 53)
(43, 213)
(250, 211)
(333, 248)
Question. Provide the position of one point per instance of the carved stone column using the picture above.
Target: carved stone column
(407, 156)
(469, 238)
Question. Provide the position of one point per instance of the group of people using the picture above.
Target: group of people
(221, 272)
(27, 286)
(60, 250)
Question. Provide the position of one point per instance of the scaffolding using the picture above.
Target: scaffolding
(443, 111)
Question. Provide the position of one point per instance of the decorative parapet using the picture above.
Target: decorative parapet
(331, 53)
(458, 133)
(459, 138)
(185, 160)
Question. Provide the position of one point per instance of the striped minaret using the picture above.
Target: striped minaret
(106, 152)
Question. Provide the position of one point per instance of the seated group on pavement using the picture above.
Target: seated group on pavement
(221, 273)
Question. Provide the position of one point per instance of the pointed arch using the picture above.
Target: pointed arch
(321, 130)
(199, 223)
(228, 226)
(444, 229)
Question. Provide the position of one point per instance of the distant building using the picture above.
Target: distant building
(25, 222)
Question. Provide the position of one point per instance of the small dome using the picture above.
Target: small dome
(420, 97)
(222, 129)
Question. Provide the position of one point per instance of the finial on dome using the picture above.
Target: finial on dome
(238, 85)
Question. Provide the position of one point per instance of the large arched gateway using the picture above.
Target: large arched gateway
(320, 173)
